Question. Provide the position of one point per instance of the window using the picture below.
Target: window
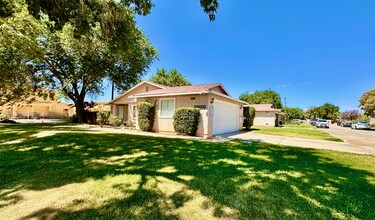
(133, 111)
(147, 89)
(121, 112)
(167, 107)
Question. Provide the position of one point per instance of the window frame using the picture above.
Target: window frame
(122, 112)
(133, 111)
(174, 107)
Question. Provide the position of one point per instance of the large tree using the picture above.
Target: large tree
(262, 97)
(169, 78)
(350, 115)
(325, 111)
(294, 113)
(328, 111)
(73, 46)
(367, 102)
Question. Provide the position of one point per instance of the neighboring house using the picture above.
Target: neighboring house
(220, 113)
(267, 115)
(100, 106)
(37, 107)
(372, 121)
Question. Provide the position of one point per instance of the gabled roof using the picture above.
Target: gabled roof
(264, 107)
(136, 86)
(189, 90)
(201, 88)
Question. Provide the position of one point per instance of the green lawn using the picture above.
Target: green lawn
(302, 131)
(67, 173)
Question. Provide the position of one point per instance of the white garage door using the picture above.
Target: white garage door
(226, 117)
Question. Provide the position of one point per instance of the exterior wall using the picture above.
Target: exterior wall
(166, 124)
(115, 111)
(139, 89)
(218, 89)
(51, 109)
(263, 118)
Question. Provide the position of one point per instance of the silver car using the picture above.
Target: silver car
(361, 125)
(322, 123)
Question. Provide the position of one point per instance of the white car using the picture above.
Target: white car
(322, 123)
(361, 125)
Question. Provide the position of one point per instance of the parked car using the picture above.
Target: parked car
(322, 123)
(313, 121)
(361, 125)
(296, 120)
(346, 124)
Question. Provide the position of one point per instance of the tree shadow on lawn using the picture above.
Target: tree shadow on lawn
(12, 132)
(256, 180)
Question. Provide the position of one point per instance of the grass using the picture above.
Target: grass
(301, 131)
(67, 173)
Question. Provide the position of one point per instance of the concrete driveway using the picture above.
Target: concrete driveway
(359, 142)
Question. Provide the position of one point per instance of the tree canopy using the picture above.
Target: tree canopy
(73, 46)
(325, 111)
(350, 115)
(262, 97)
(169, 78)
(294, 113)
(367, 102)
(73, 49)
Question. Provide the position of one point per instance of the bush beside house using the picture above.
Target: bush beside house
(249, 115)
(102, 118)
(146, 114)
(186, 120)
(114, 121)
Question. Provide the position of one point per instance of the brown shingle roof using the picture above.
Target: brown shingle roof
(181, 89)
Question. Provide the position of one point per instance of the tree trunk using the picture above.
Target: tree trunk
(80, 111)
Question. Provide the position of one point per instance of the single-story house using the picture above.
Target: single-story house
(267, 115)
(220, 113)
(37, 107)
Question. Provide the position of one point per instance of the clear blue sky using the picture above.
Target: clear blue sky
(310, 51)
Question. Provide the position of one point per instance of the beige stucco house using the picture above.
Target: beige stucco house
(37, 107)
(267, 115)
(220, 113)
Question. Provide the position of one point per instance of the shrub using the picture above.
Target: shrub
(249, 115)
(186, 120)
(130, 123)
(71, 119)
(363, 118)
(114, 121)
(294, 123)
(102, 118)
(146, 113)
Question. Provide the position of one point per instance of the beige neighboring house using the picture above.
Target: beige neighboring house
(37, 107)
(267, 115)
(101, 106)
(220, 113)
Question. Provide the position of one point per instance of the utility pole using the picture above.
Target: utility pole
(285, 102)
(113, 90)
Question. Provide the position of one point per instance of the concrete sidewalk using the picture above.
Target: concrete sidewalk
(296, 142)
